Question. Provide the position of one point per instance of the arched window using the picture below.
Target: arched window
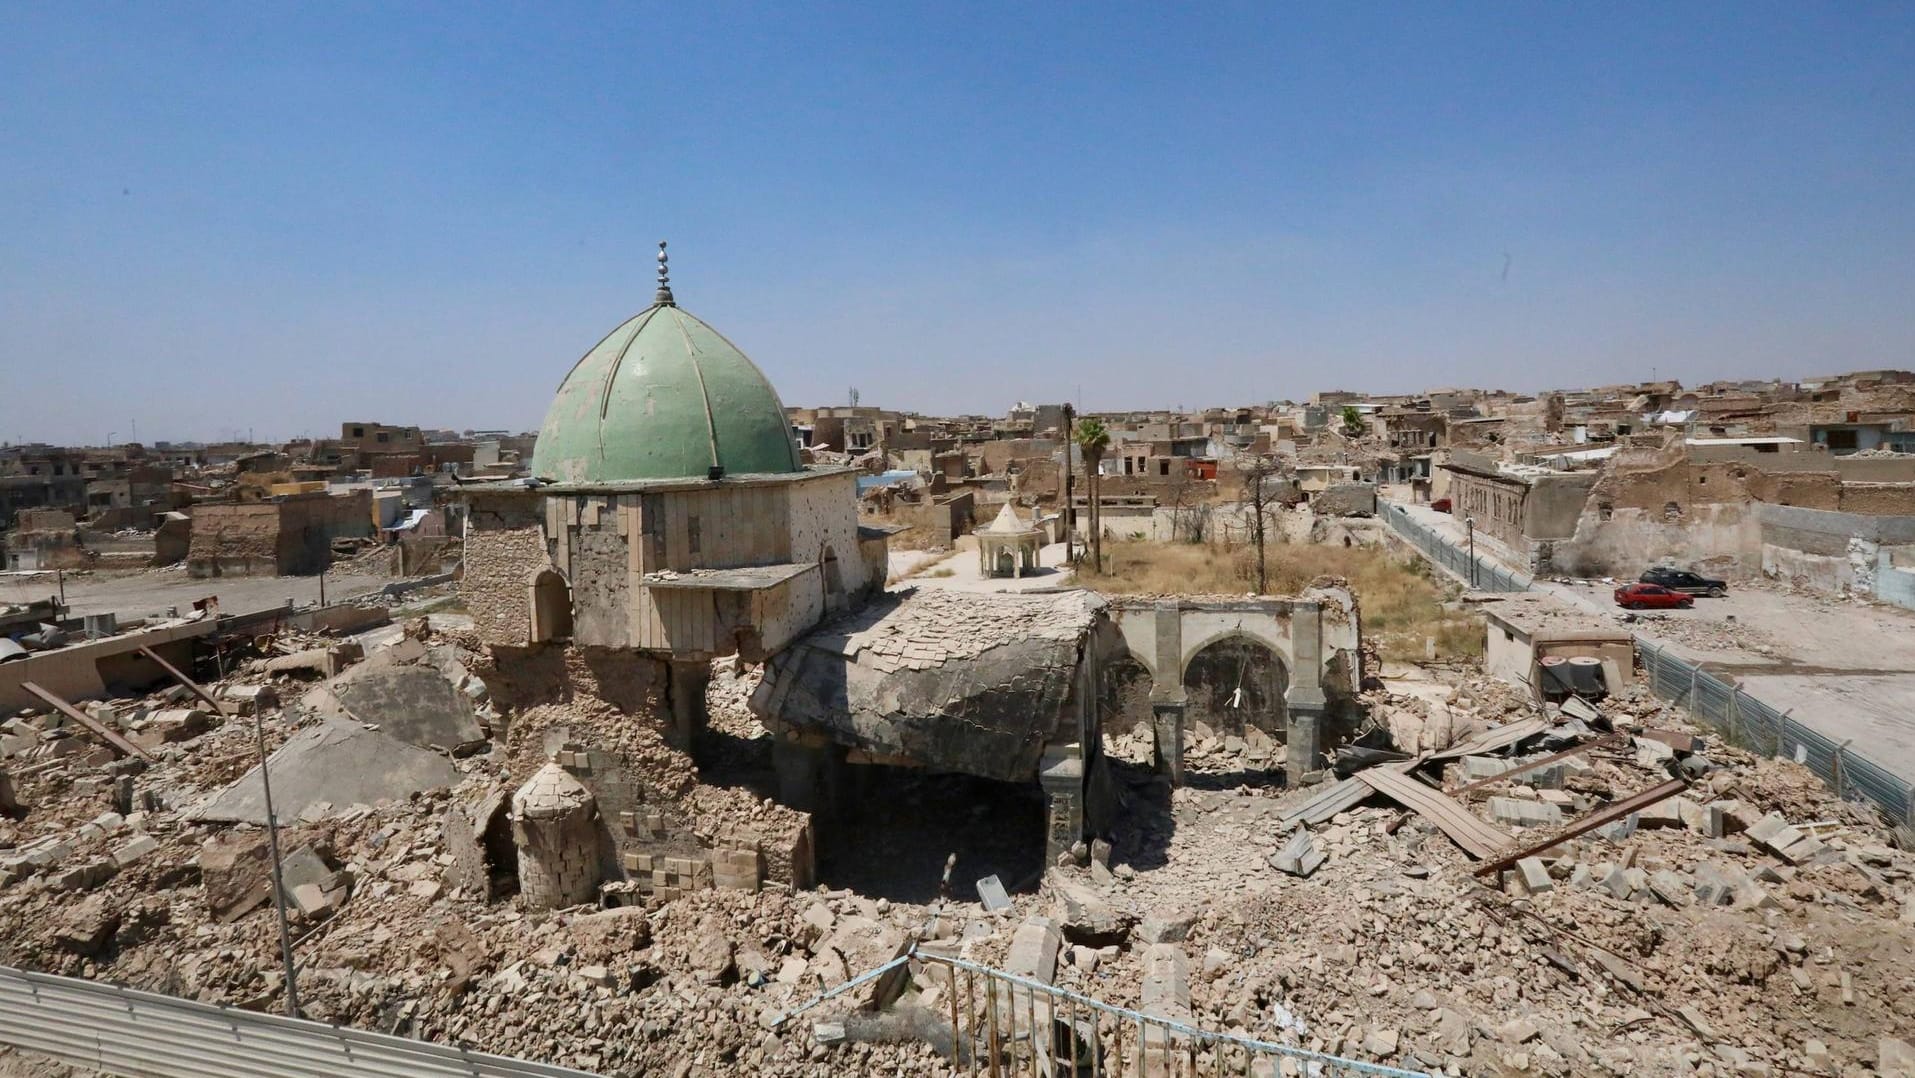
(550, 601)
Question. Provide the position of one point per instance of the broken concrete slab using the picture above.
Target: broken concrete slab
(411, 702)
(1298, 857)
(340, 762)
(1088, 919)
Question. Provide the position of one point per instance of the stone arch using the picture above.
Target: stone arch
(1245, 629)
(1236, 680)
(549, 601)
(1126, 686)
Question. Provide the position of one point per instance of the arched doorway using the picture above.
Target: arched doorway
(1123, 707)
(551, 607)
(833, 580)
(1233, 683)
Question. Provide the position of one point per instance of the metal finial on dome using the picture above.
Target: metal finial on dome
(663, 296)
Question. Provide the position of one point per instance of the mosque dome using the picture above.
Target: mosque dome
(664, 396)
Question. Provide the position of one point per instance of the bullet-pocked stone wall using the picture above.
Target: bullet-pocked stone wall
(504, 548)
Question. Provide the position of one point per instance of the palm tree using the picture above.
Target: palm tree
(1093, 440)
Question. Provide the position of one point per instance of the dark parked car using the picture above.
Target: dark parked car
(1651, 596)
(1684, 581)
(1441, 505)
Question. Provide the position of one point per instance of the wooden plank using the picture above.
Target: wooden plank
(113, 740)
(1610, 813)
(1475, 837)
(191, 685)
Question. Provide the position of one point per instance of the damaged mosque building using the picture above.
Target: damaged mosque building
(670, 522)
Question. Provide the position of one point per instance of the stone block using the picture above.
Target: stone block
(1166, 986)
(135, 848)
(1034, 948)
(1524, 813)
(1534, 875)
(1669, 888)
(1776, 835)
(84, 876)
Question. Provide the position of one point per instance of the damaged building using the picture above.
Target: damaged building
(668, 522)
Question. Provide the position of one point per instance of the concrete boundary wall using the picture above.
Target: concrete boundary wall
(129, 1032)
(1826, 522)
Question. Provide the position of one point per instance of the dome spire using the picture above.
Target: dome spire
(663, 297)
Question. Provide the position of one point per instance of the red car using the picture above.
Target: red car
(1441, 505)
(1651, 596)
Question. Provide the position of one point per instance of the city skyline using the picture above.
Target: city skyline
(307, 216)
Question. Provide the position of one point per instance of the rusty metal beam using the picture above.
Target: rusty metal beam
(113, 740)
(1554, 757)
(1609, 813)
(191, 685)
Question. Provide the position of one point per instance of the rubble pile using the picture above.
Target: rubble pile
(1750, 923)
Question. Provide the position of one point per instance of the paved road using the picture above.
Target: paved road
(1846, 668)
(153, 591)
(961, 572)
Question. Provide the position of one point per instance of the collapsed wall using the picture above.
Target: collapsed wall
(599, 717)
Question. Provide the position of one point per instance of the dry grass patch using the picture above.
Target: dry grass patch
(1403, 604)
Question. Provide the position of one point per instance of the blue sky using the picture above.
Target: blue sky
(267, 217)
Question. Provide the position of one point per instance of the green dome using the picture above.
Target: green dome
(664, 396)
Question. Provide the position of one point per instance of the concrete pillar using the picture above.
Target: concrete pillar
(687, 691)
(1167, 729)
(1305, 701)
(1061, 775)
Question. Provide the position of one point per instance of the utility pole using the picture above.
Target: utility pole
(279, 878)
(1470, 523)
(1070, 511)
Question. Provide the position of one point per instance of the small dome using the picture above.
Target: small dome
(664, 396)
(1009, 523)
(551, 792)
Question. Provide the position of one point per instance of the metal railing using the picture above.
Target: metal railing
(998, 1024)
(1484, 575)
(123, 1031)
(1748, 723)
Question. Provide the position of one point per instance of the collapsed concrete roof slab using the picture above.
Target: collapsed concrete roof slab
(964, 682)
(340, 763)
(413, 702)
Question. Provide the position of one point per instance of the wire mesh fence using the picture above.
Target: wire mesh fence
(1748, 723)
(1743, 720)
(1478, 571)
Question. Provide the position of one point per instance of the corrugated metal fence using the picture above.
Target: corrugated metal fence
(1748, 723)
(1740, 718)
(1484, 575)
(137, 1034)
